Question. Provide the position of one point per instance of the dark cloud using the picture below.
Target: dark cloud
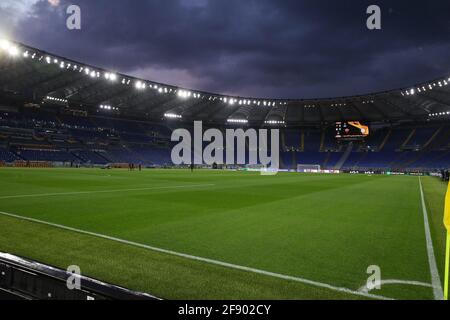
(276, 48)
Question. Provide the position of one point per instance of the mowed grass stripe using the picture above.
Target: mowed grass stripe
(167, 276)
(201, 259)
(76, 193)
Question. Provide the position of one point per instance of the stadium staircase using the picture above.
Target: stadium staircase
(283, 141)
(424, 151)
(408, 139)
(345, 156)
(102, 156)
(433, 137)
(364, 155)
(59, 120)
(302, 142)
(136, 154)
(385, 140)
(327, 158)
(322, 144)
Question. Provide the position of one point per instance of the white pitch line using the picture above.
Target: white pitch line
(101, 191)
(435, 278)
(206, 260)
(395, 281)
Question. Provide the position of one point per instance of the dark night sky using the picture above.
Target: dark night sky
(263, 48)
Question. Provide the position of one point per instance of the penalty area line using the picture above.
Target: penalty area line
(206, 260)
(36, 195)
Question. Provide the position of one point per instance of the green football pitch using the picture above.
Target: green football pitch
(230, 235)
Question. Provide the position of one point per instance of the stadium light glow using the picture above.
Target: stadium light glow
(4, 44)
(111, 76)
(172, 116)
(53, 99)
(108, 107)
(439, 114)
(9, 47)
(274, 122)
(140, 85)
(237, 121)
(184, 94)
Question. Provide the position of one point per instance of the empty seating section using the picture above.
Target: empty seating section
(42, 136)
(121, 156)
(47, 155)
(76, 122)
(153, 156)
(312, 140)
(286, 160)
(333, 158)
(292, 138)
(421, 136)
(93, 157)
(7, 156)
(396, 139)
(329, 142)
(311, 157)
(376, 139)
(136, 138)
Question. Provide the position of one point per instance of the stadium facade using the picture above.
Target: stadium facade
(56, 111)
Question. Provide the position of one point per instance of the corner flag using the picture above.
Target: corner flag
(447, 210)
(447, 250)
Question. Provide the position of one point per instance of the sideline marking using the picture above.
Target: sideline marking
(435, 278)
(210, 261)
(365, 289)
(102, 191)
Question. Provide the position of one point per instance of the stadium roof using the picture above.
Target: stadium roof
(43, 77)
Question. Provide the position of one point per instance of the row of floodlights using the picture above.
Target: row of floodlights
(439, 114)
(249, 102)
(274, 122)
(172, 116)
(13, 50)
(426, 87)
(56, 99)
(108, 107)
(9, 48)
(237, 121)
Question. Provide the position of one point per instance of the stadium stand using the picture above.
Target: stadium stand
(36, 136)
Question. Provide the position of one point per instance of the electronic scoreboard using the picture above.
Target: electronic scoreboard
(351, 130)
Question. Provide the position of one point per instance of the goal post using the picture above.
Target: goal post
(308, 168)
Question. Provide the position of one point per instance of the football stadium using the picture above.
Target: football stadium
(352, 210)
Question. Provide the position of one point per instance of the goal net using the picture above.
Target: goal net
(310, 168)
(254, 167)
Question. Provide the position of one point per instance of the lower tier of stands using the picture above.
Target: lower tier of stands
(45, 136)
(149, 156)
